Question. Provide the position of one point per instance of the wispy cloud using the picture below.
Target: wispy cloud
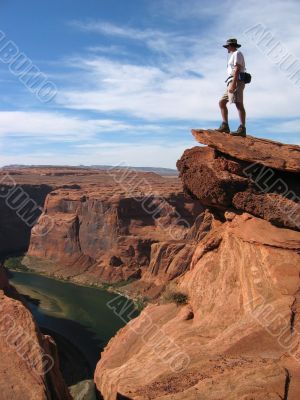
(59, 127)
(170, 88)
(169, 43)
(112, 49)
(54, 126)
(154, 93)
(108, 28)
(141, 91)
(292, 126)
(157, 77)
(125, 154)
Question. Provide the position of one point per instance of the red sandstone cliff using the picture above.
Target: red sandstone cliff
(229, 250)
(237, 336)
(107, 232)
(29, 367)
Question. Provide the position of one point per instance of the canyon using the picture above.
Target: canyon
(213, 254)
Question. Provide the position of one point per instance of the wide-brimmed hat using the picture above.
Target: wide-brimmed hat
(232, 42)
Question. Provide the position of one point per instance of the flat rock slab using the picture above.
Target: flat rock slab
(272, 154)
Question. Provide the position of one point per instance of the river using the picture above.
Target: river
(77, 316)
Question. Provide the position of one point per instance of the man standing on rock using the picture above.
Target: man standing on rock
(235, 88)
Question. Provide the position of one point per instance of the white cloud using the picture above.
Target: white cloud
(286, 127)
(166, 90)
(112, 49)
(161, 89)
(165, 42)
(125, 154)
(54, 126)
(151, 93)
(143, 91)
(40, 128)
(114, 30)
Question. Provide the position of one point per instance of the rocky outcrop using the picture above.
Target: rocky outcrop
(230, 330)
(234, 338)
(220, 268)
(171, 259)
(29, 365)
(272, 154)
(246, 174)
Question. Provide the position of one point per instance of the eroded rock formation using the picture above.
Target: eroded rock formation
(220, 265)
(104, 232)
(238, 342)
(263, 179)
(29, 367)
(272, 154)
(236, 335)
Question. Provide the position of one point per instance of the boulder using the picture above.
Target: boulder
(232, 173)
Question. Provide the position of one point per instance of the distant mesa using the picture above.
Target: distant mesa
(69, 168)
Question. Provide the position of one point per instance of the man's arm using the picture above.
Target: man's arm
(233, 84)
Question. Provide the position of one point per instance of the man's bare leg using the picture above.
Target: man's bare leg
(224, 110)
(242, 113)
(224, 127)
(241, 131)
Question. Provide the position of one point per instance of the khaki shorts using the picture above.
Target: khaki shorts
(237, 96)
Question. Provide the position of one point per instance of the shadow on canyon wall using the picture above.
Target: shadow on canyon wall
(20, 207)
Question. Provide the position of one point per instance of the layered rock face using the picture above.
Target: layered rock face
(237, 335)
(22, 197)
(221, 265)
(88, 225)
(263, 181)
(104, 232)
(29, 366)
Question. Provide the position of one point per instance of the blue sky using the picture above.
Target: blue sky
(133, 77)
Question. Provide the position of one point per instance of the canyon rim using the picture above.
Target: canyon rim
(214, 256)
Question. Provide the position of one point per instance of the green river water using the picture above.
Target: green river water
(78, 316)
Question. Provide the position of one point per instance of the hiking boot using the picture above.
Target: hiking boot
(224, 127)
(241, 131)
